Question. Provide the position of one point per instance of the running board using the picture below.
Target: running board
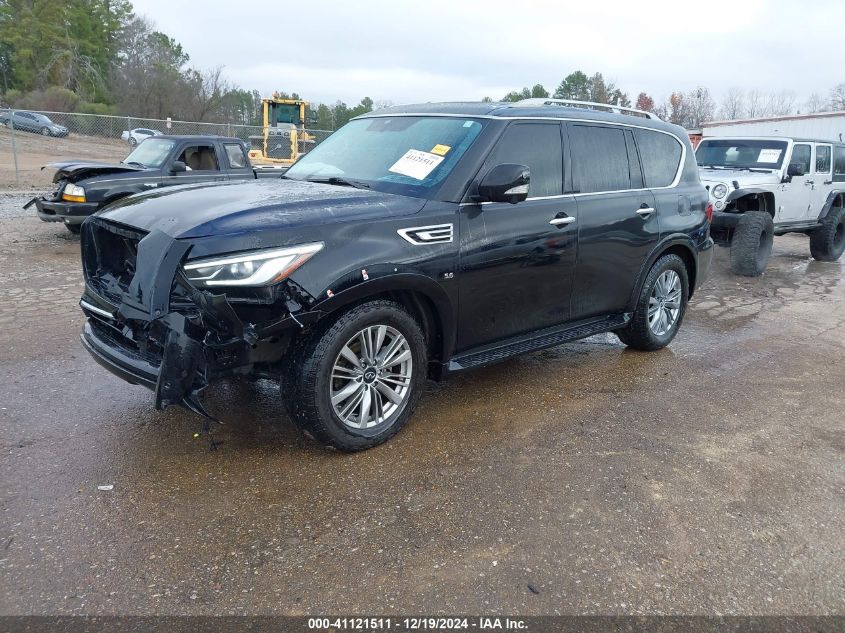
(542, 339)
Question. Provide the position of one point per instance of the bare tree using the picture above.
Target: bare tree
(780, 103)
(816, 104)
(733, 104)
(837, 97)
(755, 104)
(209, 91)
(701, 107)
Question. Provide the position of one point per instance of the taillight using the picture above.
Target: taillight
(708, 211)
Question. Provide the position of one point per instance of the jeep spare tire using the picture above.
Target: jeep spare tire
(828, 241)
(752, 243)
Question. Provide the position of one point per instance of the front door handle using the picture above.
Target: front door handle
(561, 219)
(645, 211)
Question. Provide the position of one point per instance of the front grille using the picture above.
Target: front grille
(279, 144)
(149, 350)
(109, 256)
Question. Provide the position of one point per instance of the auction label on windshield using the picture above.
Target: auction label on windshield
(416, 164)
(769, 155)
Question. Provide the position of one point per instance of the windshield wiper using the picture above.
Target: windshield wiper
(761, 170)
(135, 162)
(343, 182)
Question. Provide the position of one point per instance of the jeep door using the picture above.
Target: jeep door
(516, 267)
(618, 224)
(793, 197)
(821, 178)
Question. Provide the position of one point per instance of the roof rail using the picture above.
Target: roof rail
(590, 105)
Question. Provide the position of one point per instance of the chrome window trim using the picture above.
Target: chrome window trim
(674, 183)
(568, 195)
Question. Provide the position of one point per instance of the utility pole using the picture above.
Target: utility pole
(14, 148)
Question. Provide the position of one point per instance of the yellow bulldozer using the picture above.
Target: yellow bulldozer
(283, 138)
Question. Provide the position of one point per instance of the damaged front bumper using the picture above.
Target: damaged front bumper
(53, 210)
(149, 326)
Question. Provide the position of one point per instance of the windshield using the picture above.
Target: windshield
(408, 155)
(285, 113)
(151, 152)
(737, 153)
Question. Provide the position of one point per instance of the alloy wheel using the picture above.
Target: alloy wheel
(664, 304)
(371, 377)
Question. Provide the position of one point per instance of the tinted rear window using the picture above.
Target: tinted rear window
(660, 155)
(839, 162)
(599, 159)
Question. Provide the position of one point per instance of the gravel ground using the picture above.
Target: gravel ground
(11, 204)
(706, 478)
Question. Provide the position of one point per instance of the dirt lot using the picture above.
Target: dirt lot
(704, 478)
(35, 151)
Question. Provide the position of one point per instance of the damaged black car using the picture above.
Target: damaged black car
(414, 243)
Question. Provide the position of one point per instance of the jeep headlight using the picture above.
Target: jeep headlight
(73, 193)
(255, 268)
(720, 191)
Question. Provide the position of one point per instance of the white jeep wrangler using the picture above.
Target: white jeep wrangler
(762, 187)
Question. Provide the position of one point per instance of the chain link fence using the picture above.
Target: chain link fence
(29, 140)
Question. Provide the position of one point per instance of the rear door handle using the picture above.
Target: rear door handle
(645, 212)
(562, 221)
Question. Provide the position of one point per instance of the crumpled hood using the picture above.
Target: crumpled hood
(191, 211)
(712, 177)
(76, 170)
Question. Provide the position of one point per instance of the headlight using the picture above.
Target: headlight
(73, 193)
(256, 268)
(720, 191)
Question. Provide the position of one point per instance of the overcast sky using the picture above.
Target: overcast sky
(438, 50)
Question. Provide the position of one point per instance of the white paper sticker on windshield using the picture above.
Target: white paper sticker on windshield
(769, 155)
(416, 164)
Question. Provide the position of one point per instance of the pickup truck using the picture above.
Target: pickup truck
(83, 187)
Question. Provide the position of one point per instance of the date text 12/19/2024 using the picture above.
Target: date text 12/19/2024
(417, 624)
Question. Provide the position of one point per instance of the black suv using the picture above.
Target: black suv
(415, 242)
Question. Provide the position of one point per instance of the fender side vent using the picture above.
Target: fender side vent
(435, 234)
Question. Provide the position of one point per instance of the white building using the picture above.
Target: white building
(825, 126)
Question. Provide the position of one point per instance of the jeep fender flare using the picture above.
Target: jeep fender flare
(675, 242)
(742, 192)
(828, 204)
(446, 314)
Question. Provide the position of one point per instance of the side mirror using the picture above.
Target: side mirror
(795, 169)
(507, 182)
(177, 166)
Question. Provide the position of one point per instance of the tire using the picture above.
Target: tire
(7, 123)
(74, 228)
(319, 371)
(752, 243)
(642, 331)
(827, 242)
(133, 141)
(45, 131)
